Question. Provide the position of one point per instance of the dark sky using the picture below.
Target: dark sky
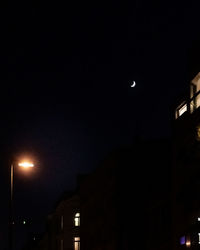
(65, 96)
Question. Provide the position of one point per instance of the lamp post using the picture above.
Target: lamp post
(24, 164)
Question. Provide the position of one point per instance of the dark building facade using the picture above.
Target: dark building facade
(62, 226)
(99, 209)
(63, 229)
(124, 204)
(186, 170)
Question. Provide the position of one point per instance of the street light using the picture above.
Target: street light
(26, 165)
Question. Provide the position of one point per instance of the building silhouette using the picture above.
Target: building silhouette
(123, 204)
(62, 226)
(186, 180)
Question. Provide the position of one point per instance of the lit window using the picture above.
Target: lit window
(77, 243)
(188, 243)
(182, 240)
(77, 219)
(182, 110)
(199, 238)
(198, 218)
(61, 222)
(197, 101)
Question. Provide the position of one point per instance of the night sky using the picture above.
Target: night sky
(65, 96)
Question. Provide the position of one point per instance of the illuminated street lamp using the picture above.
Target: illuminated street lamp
(26, 165)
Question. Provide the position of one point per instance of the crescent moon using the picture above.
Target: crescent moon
(133, 85)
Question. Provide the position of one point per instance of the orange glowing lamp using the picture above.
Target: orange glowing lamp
(26, 164)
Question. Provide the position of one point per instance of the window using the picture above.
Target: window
(195, 103)
(194, 93)
(182, 240)
(77, 243)
(181, 110)
(195, 85)
(77, 220)
(188, 243)
(199, 238)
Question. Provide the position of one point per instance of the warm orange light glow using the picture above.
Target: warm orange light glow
(188, 243)
(77, 243)
(26, 164)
